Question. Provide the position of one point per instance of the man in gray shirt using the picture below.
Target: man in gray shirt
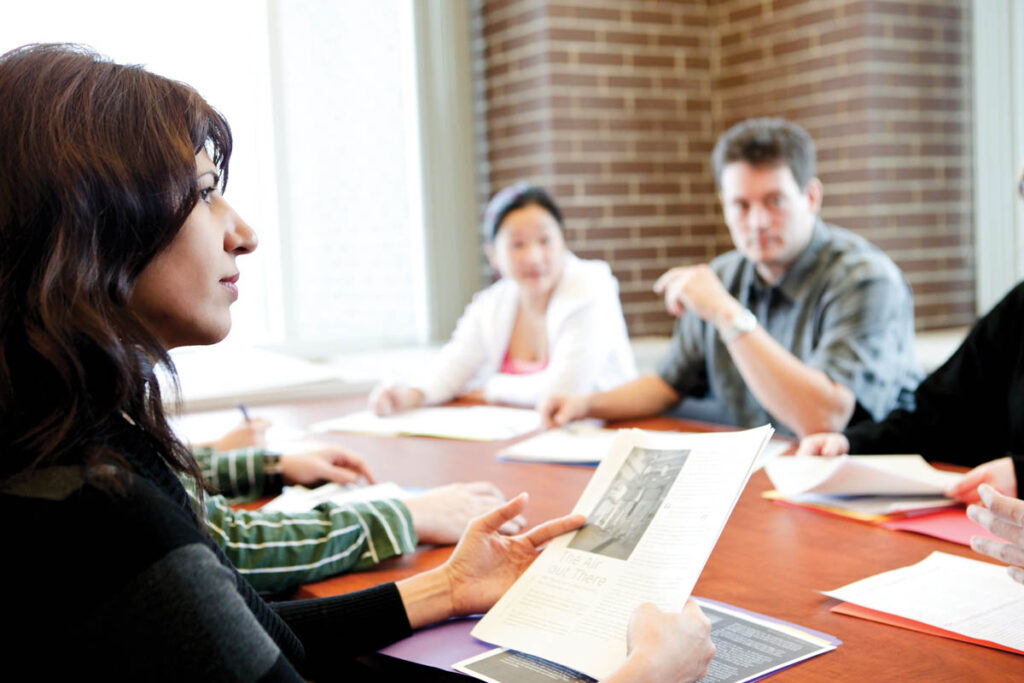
(804, 324)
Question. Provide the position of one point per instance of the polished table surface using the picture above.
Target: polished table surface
(770, 559)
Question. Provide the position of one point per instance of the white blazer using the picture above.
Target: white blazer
(588, 346)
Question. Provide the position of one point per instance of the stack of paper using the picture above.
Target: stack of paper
(474, 423)
(868, 487)
(955, 597)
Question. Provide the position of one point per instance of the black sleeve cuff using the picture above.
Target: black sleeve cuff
(345, 626)
(1018, 470)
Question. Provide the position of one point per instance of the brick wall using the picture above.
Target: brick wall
(884, 89)
(615, 107)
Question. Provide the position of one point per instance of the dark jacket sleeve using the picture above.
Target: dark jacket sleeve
(970, 410)
(338, 629)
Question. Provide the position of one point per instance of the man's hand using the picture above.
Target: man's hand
(324, 463)
(1004, 517)
(824, 443)
(698, 290)
(559, 410)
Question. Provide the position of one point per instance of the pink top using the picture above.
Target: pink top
(515, 366)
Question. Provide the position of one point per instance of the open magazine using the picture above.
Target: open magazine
(655, 508)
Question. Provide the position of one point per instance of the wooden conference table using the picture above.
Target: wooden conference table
(770, 558)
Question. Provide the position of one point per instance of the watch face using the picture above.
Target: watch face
(744, 321)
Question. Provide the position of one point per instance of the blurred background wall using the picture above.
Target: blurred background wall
(615, 106)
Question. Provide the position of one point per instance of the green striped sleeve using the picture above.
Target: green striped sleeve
(240, 473)
(277, 550)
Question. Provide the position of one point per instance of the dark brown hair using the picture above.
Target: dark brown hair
(97, 175)
(766, 142)
(513, 198)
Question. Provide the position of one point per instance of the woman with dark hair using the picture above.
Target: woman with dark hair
(117, 246)
(552, 322)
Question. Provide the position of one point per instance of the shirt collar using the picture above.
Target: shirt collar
(795, 277)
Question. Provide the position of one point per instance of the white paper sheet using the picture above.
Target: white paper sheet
(655, 507)
(301, 499)
(575, 443)
(974, 598)
(858, 475)
(583, 442)
(474, 423)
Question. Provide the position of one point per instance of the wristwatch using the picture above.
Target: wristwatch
(273, 472)
(741, 322)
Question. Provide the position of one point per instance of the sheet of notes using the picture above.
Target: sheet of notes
(971, 597)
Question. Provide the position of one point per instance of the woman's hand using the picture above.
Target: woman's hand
(825, 443)
(1004, 517)
(998, 474)
(482, 567)
(325, 463)
(442, 514)
(666, 646)
(388, 400)
(486, 562)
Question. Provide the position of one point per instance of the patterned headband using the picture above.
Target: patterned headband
(499, 202)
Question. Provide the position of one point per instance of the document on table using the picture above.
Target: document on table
(584, 443)
(951, 524)
(858, 475)
(473, 423)
(301, 499)
(970, 597)
(874, 506)
(655, 508)
(577, 443)
(747, 647)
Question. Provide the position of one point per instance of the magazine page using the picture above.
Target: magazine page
(655, 508)
(748, 647)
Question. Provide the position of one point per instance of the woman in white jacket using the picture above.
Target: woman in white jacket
(552, 323)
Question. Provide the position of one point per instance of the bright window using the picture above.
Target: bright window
(321, 97)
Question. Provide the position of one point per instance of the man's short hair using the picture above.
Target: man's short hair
(766, 142)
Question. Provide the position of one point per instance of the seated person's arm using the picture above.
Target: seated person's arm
(276, 551)
(803, 398)
(644, 396)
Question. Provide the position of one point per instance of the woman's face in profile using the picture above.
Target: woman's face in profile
(185, 293)
(529, 248)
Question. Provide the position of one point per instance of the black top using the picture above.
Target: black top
(126, 586)
(970, 410)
